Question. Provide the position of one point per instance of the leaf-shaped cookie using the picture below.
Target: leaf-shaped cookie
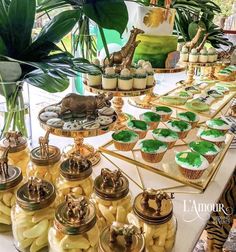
(154, 17)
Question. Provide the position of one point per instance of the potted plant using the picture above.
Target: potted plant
(35, 60)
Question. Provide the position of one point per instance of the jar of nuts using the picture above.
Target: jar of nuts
(45, 161)
(75, 178)
(75, 226)
(153, 213)
(10, 180)
(121, 238)
(111, 197)
(18, 154)
(33, 215)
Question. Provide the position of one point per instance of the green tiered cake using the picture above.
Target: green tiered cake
(158, 45)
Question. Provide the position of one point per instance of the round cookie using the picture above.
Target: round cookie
(104, 120)
(74, 125)
(106, 111)
(91, 125)
(55, 122)
(55, 109)
(45, 116)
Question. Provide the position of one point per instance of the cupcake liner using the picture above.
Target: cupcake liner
(191, 174)
(153, 125)
(210, 158)
(223, 131)
(170, 144)
(165, 118)
(124, 146)
(183, 134)
(152, 158)
(142, 134)
(194, 124)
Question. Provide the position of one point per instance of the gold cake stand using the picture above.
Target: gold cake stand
(193, 66)
(80, 148)
(146, 102)
(118, 101)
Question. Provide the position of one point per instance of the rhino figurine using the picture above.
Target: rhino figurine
(84, 105)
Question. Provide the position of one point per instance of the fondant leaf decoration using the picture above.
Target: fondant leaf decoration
(154, 18)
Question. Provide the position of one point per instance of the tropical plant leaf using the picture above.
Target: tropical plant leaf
(48, 5)
(110, 14)
(46, 82)
(21, 16)
(3, 47)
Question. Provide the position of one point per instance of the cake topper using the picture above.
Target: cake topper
(13, 137)
(191, 44)
(79, 105)
(44, 146)
(36, 189)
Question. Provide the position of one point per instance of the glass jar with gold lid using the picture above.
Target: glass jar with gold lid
(19, 153)
(75, 178)
(111, 197)
(33, 215)
(10, 179)
(121, 238)
(45, 161)
(75, 226)
(153, 212)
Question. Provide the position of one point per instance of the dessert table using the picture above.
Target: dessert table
(191, 222)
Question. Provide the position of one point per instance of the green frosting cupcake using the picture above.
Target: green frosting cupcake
(178, 125)
(165, 135)
(150, 117)
(204, 148)
(217, 123)
(163, 110)
(212, 135)
(191, 160)
(138, 125)
(153, 146)
(188, 116)
(125, 136)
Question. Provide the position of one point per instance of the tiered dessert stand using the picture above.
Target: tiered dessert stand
(80, 148)
(146, 102)
(118, 101)
(193, 66)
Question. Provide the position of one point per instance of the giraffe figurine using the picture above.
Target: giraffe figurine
(191, 44)
(44, 145)
(118, 57)
(200, 47)
(4, 164)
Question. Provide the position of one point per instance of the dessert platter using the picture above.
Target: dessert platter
(79, 117)
(208, 99)
(158, 137)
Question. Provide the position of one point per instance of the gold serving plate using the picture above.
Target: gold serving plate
(167, 167)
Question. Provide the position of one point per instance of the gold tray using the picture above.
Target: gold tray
(215, 108)
(208, 64)
(167, 168)
(117, 92)
(77, 133)
(177, 69)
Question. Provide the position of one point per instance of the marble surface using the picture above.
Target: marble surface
(190, 222)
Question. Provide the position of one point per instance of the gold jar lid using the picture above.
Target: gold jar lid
(75, 216)
(15, 141)
(10, 176)
(76, 168)
(111, 185)
(121, 238)
(153, 207)
(51, 156)
(36, 194)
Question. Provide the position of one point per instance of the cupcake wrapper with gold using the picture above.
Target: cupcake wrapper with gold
(124, 146)
(223, 131)
(152, 158)
(142, 134)
(210, 158)
(194, 124)
(171, 144)
(191, 174)
(183, 134)
(219, 144)
(165, 118)
(153, 125)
